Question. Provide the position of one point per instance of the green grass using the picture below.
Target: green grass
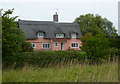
(74, 73)
(0, 76)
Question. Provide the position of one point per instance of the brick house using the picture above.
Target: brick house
(51, 35)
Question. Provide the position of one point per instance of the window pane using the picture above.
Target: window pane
(48, 45)
(73, 44)
(73, 35)
(33, 45)
(56, 44)
(43, 46)
(40, 34)
(59, 35)
(76, 44)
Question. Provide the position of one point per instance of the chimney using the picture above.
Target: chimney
(55, 17)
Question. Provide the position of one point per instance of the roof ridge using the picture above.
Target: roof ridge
(48, 21)
(34, 21)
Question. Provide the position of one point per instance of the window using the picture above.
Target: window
(59, 35)
(33, 45)
(74, 45)
(45, 45)
(73, 35)
(40, 34)
(56, 44)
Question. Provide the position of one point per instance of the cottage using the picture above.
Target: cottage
(51, 35)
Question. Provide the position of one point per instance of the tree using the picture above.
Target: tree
(13, 37)
(27, 47)
(108, 28)
(96, 47)
(115, 47)
(95, 24)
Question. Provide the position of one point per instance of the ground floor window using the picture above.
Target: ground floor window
(56, 44)
(33, 45)
(45, 45)
(74, 45)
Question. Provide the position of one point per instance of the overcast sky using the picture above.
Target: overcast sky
(68, 10)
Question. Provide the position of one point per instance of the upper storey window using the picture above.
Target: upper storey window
(40, 34)
(73, 35)
(59, 35)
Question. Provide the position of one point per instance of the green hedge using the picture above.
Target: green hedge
(43, 58)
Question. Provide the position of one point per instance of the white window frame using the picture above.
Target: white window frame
(59, 35)
(75, 45)
(73, 35)
(40, 34)
(55, 44)
(47, 45)
(33, 44)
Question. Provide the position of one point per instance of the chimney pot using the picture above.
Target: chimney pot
(55, 17)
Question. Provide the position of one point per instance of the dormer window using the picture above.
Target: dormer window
(73, 35)
(59, 35)
(40, 34)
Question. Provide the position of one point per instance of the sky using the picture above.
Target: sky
(68, 10)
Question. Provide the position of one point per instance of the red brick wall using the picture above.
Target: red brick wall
(67, 43)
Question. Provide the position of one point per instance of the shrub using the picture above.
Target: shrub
(43, 58)
(96, 47)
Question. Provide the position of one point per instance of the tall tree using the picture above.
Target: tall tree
(96, 47)
(108, 28)
(95, 24)
(13, 38)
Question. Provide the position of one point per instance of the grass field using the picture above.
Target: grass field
(74, 73)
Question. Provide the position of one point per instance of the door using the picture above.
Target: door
(62, 46)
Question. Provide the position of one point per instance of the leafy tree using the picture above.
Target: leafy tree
(115, 42)
(115, 47)
(108, 28)
(12, 37)
(95, 24)
(96, 47)
(27, 47)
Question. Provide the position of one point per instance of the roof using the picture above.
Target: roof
(50, 28)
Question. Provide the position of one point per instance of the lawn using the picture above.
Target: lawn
(74, 73)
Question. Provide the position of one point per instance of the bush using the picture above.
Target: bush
(43, 58)
(47, 58)
(96, 47)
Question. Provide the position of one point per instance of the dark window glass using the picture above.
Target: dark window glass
(74, 45)
(56, 44)
(46, 45)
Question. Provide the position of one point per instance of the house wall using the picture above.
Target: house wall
(74, 40)
(39, 42)
(67, 43)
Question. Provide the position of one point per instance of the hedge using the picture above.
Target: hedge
(43, 58)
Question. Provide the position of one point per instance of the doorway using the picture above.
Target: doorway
(62, 46)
